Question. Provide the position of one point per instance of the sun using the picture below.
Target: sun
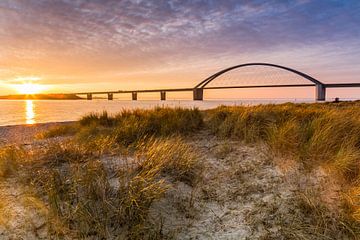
(29, 88)
(27, 85)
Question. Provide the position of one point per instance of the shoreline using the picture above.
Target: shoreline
(37, 124)
(25, 133)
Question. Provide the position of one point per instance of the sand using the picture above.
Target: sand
(232, 201)
(24, 134)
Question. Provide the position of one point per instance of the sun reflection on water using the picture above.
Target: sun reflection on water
(30, 114)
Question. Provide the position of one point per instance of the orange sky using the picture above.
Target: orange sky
(72, 46)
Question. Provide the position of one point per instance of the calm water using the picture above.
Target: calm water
(13, 112)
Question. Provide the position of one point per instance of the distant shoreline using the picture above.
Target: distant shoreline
(41, 97)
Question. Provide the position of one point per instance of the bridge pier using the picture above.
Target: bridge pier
(198, 94)
(320, 92)
(89, 96)
(163, 95)
(110, 96)
(134, 96)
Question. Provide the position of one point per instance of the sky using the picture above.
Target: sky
(97, 45)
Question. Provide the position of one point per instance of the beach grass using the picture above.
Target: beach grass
(57, 131)
(313, 134)
(87, 195)
(11, 158)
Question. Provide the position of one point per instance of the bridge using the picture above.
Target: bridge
(275, 76)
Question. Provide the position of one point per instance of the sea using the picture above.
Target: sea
(17, 112)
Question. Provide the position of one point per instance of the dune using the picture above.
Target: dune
(181, 174)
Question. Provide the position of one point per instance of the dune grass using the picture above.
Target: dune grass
(172, 156)
(131, 125)
(82, 197)
(313, 134)
(56, 131)
(86, 199)
(127, 127)
(11, 158)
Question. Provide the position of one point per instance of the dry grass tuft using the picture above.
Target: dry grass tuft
(128, 127)
(62, 130)
(285, 139)
(315, 219)
(11, 159)
(5, 213)
(171, 156)
(351, 204)
(223, 150)
(64, 152)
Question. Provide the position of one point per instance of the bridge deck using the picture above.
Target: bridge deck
(342, 85)
(191, 89)
(139, 91)
(329, 85)
(198, 91)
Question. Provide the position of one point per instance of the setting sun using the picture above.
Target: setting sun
(29, 88)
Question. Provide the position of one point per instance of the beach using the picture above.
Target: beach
(25, 133)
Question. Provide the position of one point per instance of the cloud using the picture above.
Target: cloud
(91, 39)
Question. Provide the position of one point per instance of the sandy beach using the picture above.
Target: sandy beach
(25, 134)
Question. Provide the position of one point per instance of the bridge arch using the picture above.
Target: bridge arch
(320, 87)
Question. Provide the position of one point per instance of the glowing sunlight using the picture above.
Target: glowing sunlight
(30, 114)
(29, 88)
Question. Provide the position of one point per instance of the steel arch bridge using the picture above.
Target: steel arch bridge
(198, 90)
(320, 87)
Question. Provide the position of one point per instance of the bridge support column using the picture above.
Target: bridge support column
(110, 96)
(134, 96)
(320, 92)
(163, 95)
(198, 94)
(89, 96)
